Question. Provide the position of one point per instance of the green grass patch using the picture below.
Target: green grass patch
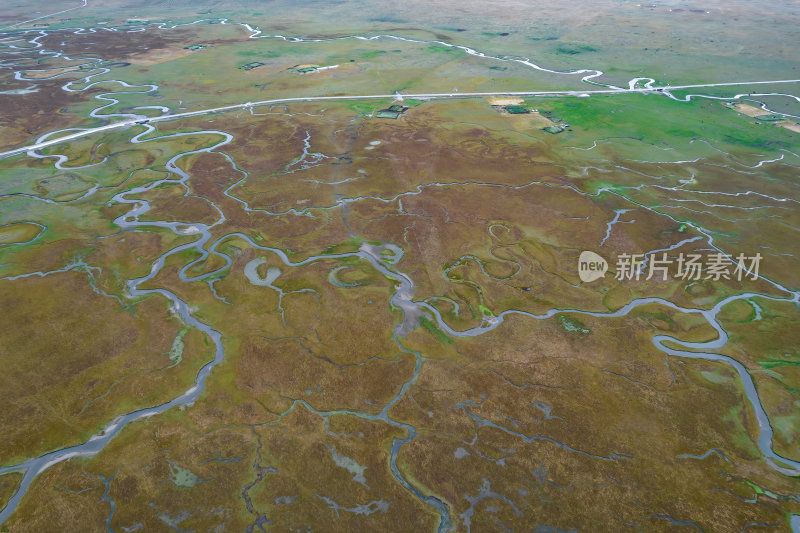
(372, 54)
(573, 325)
(574, 49)
(656, 120)
(773, 364)
(440, 49)
(429, 325)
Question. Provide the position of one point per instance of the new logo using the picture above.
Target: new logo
(591, 266)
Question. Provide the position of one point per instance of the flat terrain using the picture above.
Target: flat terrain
(285, 268)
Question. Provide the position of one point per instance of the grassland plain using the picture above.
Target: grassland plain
(406, 342)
